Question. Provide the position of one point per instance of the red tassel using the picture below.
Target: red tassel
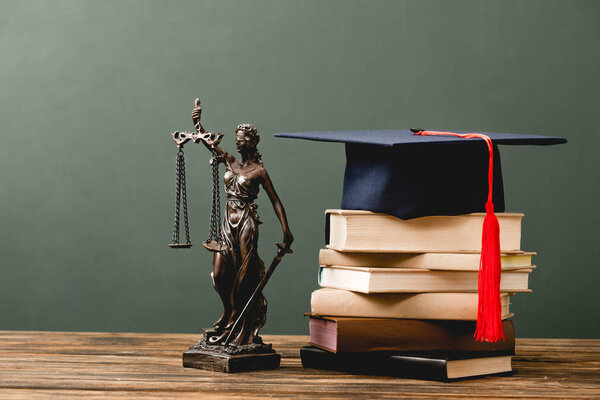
(489, 313)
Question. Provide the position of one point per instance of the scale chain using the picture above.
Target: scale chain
(215, 215)
(184, 198)
(180, 196)
(175, 239)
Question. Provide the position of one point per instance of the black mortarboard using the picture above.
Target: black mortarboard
(416, 173)
(399, 173)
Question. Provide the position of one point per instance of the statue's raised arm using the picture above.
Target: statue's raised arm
(209, 139)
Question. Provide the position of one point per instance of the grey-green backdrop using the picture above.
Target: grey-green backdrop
(90, 91)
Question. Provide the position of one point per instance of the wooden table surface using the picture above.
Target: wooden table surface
(99, 365)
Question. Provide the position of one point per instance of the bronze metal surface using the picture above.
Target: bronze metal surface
(238, 272)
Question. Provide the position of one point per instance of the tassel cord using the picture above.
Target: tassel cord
(489, 313)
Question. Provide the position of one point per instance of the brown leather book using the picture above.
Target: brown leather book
(343, 334)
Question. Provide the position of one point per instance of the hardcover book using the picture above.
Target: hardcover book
(404, 280)
(445, 306)
(346, 334)
(365, 231)
(435, 261)
(436, 367)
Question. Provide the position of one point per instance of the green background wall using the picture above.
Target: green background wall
(90, 91)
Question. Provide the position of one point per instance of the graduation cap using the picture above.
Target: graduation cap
(412, 173)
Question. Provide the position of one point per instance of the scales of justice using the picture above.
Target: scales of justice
(239, 275)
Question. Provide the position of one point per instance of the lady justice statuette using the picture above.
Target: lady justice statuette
(239, 276)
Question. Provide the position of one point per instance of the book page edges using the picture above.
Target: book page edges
(375, 270)
(344, 249)
(363, 280)
(435, 306)
(333, 317)
(478, 366)
(451, 261)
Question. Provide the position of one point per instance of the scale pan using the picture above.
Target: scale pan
(180, 245)
(213, 245)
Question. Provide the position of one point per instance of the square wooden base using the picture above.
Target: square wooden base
(230, 363)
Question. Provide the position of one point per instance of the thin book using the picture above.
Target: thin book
(435, 261)
(405, 280)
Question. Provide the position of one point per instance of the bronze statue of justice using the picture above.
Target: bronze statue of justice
(239, 275)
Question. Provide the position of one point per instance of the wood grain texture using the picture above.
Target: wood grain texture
(37, 365)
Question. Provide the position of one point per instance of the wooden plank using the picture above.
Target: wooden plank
(118, 365)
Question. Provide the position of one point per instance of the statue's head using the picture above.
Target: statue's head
(246, 138)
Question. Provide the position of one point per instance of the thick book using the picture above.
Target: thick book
(347, 334)
(447, 306)
(436, 367)
(437, 261)
(405, 280)
(365, 231)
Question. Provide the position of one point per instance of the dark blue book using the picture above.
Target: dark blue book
(427, 366)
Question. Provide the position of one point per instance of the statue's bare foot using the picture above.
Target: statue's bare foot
(221, 323)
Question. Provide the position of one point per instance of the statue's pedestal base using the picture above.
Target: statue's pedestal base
(212, 357)
(203, 359)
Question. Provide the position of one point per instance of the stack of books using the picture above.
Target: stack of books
(399, 297)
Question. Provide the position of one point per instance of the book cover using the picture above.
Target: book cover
(404, 280)
(444, 306)
(435, 367)
(364, 231)
(434, 261)
(347, 334)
